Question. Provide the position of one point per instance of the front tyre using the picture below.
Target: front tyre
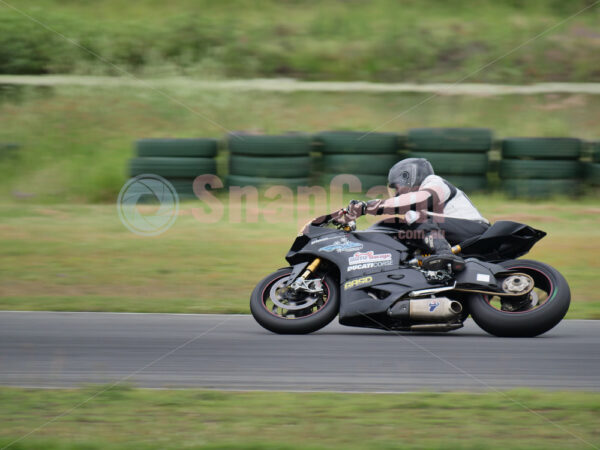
(284, 312)
(541, 310)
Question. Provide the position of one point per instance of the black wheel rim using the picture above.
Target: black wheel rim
(299, 307)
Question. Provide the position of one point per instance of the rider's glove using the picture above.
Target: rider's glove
(355, 209)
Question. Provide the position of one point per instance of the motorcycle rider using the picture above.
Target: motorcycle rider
(436, 213)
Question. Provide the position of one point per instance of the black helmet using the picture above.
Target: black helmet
(409, 173)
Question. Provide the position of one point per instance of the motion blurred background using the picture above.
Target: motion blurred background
(81, 82)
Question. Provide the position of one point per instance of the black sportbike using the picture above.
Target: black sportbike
(373, 279)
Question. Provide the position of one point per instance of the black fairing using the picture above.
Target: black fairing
(503, 240)
(364, 304)
(368, 290)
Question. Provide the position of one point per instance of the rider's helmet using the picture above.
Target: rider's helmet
(408, 174)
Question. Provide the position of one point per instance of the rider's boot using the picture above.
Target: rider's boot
(441, 253)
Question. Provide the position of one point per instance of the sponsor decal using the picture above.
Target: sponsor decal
(357, 282)
(368, 257)
(323, 239)
(372, 265)
(342, 245)
(433, 304)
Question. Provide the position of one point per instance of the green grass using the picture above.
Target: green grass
(76, 257)
(380, 40)
(130, 418)
(76, 140)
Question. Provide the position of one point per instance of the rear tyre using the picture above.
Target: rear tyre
(550, 301)
(281, 321)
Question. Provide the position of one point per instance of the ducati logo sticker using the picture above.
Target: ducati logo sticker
(368, 260)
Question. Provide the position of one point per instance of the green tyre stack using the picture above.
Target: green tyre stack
(269, 160)
(593, 168)
(180, 161)
(540, 167)
(367, 156)
(460, 155)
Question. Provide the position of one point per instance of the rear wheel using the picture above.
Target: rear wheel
(285, 311)
(531, 315)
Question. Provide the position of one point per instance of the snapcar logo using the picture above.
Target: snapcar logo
(148, 205)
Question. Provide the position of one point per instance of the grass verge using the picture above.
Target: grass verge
(81, 258)
(123, 417)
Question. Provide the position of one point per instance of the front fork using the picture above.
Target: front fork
(311, 268)
(297, 281)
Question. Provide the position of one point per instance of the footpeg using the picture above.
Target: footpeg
(441, 262)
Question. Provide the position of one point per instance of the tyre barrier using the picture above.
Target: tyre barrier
(455, 163)
(541, 167)
(376, 164)
(357, 143)
(529, 167)
(183, 187)
(265, 167)
(592, 174)
(541, 148)
(367, 181)
(539, 188)
(191, 148)
(269, 160)
(464, 140)
(179, 161)
(366, 155)
(264, 182)
(172, 167)
(459, 155)
(294, 144)
(595, 147)
(468, 183)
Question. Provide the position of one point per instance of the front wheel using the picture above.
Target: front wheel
(284, 311)
(542, 309)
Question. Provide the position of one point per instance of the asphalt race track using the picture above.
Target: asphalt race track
(232, 352)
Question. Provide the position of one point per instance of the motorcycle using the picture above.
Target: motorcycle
(373, 279)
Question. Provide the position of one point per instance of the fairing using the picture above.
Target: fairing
(374, 273)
